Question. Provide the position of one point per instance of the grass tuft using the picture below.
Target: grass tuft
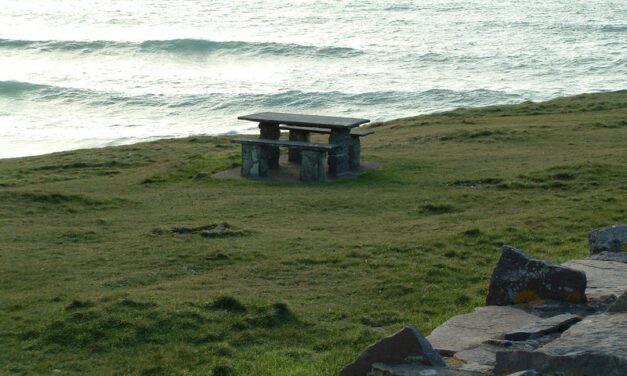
(229, 304)
(79, 304)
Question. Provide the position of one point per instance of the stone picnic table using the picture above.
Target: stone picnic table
(343, 147)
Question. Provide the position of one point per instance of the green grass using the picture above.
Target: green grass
(133, 260)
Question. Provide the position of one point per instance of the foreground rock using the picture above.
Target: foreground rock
(620, 306)
(468, 331)
(405, 346)
(550, 308)
(542, 319)
(543, 327)
(595, 346)
(528, 338)
(604, 277)
(610, 256)
(483, 357)
(608, 239)
(518, 278)
(380, 369)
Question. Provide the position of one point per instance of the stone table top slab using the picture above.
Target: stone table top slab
(305, 120)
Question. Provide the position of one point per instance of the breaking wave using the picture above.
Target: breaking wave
(431, 99)
(180, 46)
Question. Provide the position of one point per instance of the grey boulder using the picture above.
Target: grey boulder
(518, 278)
(620, 306)
(608, 239)
(405, 346)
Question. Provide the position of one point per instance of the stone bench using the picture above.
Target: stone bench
(256, 155)
(302, 134)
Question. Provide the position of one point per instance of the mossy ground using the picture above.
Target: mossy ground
(94, 281)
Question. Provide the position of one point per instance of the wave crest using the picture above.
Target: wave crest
(419, 102)
(182, 47)
(16, 87)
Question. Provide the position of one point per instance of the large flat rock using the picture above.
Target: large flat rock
(596, 345)
(379, 369)
(484, 356)
(470, 330)
(610, 256)
(545, 326)
(604, 277)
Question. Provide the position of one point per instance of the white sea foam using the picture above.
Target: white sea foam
(93, 73)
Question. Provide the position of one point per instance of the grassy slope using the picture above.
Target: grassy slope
(91, 281)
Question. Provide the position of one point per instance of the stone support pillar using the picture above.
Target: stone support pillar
(354, 152)
(270, 131)
(338, 157)
(294, 155)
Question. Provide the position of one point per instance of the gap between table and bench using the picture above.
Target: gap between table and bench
(297, 133)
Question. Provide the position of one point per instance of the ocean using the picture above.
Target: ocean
(77, 74)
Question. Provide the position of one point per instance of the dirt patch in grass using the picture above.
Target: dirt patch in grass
(79, 304)
(479, 183)
(227, 303)
(434, 209)
(222, 230)
(83, 165)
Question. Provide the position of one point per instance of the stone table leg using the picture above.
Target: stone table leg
(354, 153)
(338, 157)
(294, 155)
(270, 131)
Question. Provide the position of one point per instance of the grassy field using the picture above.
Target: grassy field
(105, 267)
